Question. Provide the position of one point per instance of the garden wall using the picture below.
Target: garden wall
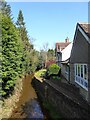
(63, 104)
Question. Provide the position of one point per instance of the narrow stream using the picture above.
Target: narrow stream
(28, 105)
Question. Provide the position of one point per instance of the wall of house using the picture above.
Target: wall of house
(89, 82)
(58, 58)
(63, 71)
(89, 53)
(89, 72)
(79, 54)
(72, 74)
(83, 92)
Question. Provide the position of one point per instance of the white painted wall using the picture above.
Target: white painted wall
(66, 52)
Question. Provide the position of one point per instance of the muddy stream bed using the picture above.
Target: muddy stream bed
(28, 105)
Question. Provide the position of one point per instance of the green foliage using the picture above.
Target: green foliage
(56, 77)
(40, 73)
(20, 20)
(18, 55)
(29, 54)
(50, 54)
(5, 8)
(53, 69)
(11, 56)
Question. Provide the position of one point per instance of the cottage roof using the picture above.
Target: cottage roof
(62, 45)
(86, 28)
(66, 52)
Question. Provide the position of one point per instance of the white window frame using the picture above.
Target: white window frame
(78, 79)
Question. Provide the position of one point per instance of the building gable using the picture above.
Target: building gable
(79, 53)
(85, 31)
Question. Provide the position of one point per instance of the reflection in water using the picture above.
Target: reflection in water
(28, 105)
(33, 110)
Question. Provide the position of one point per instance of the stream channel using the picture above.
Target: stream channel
(28, 105)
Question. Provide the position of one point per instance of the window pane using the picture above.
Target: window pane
(82, 71)
(67, 69)
(85, 72)
(78, 70)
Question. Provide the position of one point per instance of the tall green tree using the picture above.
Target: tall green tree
(11, 53)
(5, 8)
(28, 47)
(51, 54)
(20, 20)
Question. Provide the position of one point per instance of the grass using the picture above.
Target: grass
(40, 73)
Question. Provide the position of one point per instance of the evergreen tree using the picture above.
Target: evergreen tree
(5, 8)
(18, 55)
(26, 41)
(20, 20)
(11, 54)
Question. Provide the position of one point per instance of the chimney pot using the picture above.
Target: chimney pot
(67, 40)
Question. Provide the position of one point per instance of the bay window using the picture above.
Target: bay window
(81, 75)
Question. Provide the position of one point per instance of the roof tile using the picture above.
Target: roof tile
(86, 28)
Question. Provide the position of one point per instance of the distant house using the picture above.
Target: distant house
(58, 48)
(80, 60)
(49, 62)
(65, 57)
(63, 51)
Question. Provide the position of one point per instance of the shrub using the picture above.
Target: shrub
(53, 70)
(40, 73)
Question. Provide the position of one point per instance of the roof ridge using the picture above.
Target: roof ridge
(63, 42)
(84, 22)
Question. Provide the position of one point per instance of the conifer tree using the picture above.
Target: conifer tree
(5, 8)
(11, 53)
(26, 41)
(20, 20)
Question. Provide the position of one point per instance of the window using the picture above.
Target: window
(81, 75)
(66, 69)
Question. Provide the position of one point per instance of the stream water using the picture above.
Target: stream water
(28, 105)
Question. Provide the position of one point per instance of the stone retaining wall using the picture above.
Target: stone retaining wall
(62, 103)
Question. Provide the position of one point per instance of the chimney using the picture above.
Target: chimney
(67, 40)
